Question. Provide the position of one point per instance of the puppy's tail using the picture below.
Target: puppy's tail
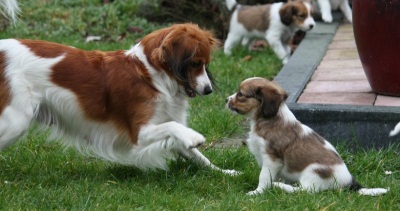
(396, 130)
(230, 4)
(355, 186)
(10, 8)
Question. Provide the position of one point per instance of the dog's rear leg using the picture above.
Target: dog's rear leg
(286, 187)
(196, 156)
(14, 122)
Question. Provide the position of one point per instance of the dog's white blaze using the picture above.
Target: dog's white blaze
(252, 78)
(287, 115)
(203, 81)
(306, 130)
(309, 20)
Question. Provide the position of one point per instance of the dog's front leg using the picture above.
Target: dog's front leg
(269, 172)
(179, 138)
(326, 10)
(274, 40)
(174, 134)
(196, 156)
(346, 10)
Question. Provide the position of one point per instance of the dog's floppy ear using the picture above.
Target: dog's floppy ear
(286, 13)
(271, 99)
(176, 52)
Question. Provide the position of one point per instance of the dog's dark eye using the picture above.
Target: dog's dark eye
(303, 16)
(239, 94)
(196, 64)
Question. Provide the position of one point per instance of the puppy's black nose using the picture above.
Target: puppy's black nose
(226, 100)
(311, 26)
(207, 90)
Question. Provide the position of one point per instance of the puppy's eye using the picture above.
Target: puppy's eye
(196, 64)
(303, 16)
(239, 94)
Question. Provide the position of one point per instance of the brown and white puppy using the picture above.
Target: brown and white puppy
(286, 149)
(125, 106)
(275, 22)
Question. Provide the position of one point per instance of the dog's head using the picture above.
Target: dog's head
(298, 13)
(184, 52)
(257, 96)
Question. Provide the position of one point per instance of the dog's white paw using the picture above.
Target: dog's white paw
(327, 17)
(231, 172)
(350, 19)
(193, 139)
(285, 60)
(253, 193)
(227, 52)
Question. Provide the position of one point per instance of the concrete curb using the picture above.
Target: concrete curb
(358, 126)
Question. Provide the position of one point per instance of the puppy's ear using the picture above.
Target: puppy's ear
(271, 100)
(286, 13)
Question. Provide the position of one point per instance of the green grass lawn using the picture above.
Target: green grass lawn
(41, 175)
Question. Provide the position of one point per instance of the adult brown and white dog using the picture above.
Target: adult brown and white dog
(125, 106)
(286, 149)
(275, 22)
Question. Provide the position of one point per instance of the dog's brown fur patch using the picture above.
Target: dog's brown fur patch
(4, 88)
(255, 17)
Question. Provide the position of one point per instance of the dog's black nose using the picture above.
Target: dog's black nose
(226, 100)
(207, 90)
(311, 26)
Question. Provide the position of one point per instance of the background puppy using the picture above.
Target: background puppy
(285, 148)
(274, 22)
(127, 107)
(325, 7)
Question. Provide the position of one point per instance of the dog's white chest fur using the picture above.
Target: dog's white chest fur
(256, 145)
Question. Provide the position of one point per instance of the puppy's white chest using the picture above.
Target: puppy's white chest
(257, 146)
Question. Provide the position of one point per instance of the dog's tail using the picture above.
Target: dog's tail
(396, 130)
(355, 186)
(230, 4)
(10, 9)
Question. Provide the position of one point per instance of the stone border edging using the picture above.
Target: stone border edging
(359, 126)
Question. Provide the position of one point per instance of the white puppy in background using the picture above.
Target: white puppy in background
(275, 22)
(326, 7)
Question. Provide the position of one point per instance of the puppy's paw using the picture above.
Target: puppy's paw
(231, 172)
(285, 60)
(253, 193)
(327, 17)
(350, 19)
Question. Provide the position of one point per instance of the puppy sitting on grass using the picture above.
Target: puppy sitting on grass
(286, 149)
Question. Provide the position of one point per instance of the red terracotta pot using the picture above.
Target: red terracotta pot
(376, 26)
